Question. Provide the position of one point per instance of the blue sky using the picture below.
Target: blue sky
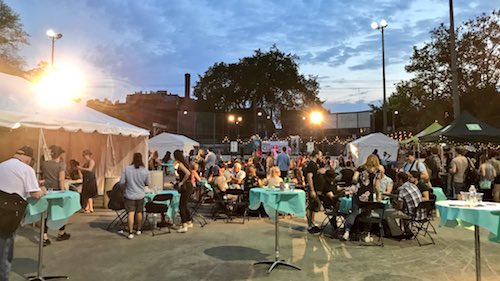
(126, 46)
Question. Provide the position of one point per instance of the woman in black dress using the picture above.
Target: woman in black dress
(185, 188)
(89, 187)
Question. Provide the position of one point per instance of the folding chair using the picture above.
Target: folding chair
(332, 216)
(369, 208)
(220, 205)
(195, 210)
(159, 205)
(117, 204)
(241, 202)
(421, 225)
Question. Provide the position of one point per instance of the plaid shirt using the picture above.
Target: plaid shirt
(411, 197)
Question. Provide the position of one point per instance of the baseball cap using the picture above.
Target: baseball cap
(25, 150)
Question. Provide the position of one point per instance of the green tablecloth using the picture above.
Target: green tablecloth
(173, 205)
(438, 191)
(286, 202)
(454, 213)
(346, 204)
(59, 206)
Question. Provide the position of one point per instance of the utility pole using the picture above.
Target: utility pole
(453, 66)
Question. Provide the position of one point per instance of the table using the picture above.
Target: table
(346, 204)
(173, 205)
(455, 212)
(57, 207)
(276, 201)
(438, 191)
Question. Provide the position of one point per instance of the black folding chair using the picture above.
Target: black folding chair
(220, 205)
(332, 216)
(117, 204)
(204, 188)
(421, 220)
(159, 205)
(368, 208)
(241, 203)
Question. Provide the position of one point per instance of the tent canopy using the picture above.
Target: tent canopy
(466, 128)
(427, 131)
(169, 142)
(364, 146)
(26, 120)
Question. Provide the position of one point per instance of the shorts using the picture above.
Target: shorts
(314, 204)
(134, 205)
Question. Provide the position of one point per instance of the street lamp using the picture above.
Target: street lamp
(394, 114)
(53, 35)
(383, 24)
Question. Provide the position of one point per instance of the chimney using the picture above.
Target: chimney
(187, 85)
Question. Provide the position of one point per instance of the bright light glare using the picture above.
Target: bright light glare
(51, 33)
(316, 117)
(383, 23)
(396, 112)
(60, 85)
(374, 25)
(240, 118)
(230, 118)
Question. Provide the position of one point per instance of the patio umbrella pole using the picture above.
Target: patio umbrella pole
(478, 253)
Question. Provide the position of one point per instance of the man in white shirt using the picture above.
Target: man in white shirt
(413, 164)
(210, 160)
(237, 175)
(17, 177)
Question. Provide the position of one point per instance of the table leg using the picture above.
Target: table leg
(478, 253)
(274, 263)
(39, 276)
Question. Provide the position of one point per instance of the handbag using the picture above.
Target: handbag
(12, 209)
(484, 184)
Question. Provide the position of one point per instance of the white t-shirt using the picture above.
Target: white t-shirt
(17, 177)
(240, 175)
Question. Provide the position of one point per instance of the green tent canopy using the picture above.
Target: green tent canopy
(465, 129)
(427, 131)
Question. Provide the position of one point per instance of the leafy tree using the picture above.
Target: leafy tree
(266, 80)
(12, 36)
(427, 96)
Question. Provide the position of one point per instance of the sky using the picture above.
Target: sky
(125, 46)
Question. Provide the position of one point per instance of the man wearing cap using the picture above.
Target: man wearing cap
(18, 177)
(54, 174)
(413, 164)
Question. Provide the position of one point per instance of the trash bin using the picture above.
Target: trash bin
(109, 182)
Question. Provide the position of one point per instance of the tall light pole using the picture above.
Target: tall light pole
(381, 27)
(453, 66)
(394, 114)
(53, 35)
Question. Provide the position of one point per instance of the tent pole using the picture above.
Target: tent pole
(39, 150)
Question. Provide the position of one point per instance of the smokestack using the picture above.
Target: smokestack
(187, 85)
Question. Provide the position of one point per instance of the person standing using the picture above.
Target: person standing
(135, 177)
(89, 186)
(283, 162)
(185, 188)
(496, 185)
(270, 161)
(457, 168)
(314, 182)
(435, 167)
(18, 178)
(54, 173)
(487, 175)
(210, 160)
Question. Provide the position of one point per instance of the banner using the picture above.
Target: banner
(275, 146)
(295, 145)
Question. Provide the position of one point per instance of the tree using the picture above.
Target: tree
(427, 96)
(267, 80)
(12, 36)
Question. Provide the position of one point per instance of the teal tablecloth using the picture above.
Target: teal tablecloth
(346, 204)
(205, 184)
(59, 206)
(286, 202)
(454, 213)
(173, 205)
(438, 191)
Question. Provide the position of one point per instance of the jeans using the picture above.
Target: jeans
(6, 255)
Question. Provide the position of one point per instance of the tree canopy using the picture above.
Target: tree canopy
(427, 96)
(12, 36)
(267, 80)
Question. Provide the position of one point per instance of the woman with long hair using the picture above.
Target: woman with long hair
(89, 186)
(135, 177)
(185, 188)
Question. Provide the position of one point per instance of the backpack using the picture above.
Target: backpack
(471, 176)
(12, 209)
(116, 197)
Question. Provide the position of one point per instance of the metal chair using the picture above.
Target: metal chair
(369, 208)
(420, 225)
(117, 204)
(159, 205)
(242, 201)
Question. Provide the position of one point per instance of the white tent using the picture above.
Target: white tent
(24, 120)
(364, 146)
(169, 142)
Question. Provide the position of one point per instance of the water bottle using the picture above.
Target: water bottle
(472, 195)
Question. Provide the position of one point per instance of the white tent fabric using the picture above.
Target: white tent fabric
(25, 120)
(364, 146)
(169, 142)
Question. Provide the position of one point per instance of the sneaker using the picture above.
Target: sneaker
(345, 237)
(64, 236)
(46, 242)
(189, 224)
(368, 239)
(313, 229)
(183, 229)
(130, 236)
(120, 231)
(138, 232)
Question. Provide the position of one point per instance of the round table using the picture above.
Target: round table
(276, 201)
(455, 212)
(173, 205)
